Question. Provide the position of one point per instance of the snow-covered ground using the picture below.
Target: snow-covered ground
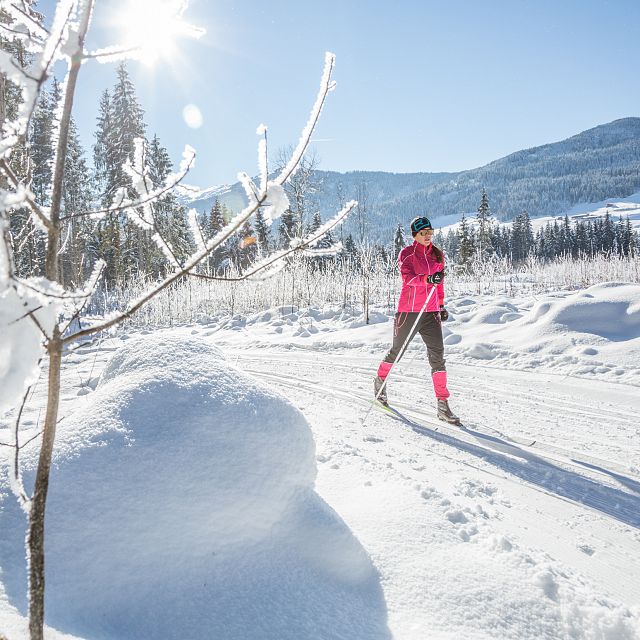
(190, 499)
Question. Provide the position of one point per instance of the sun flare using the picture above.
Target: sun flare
(153, 27)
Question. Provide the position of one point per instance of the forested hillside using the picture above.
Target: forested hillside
(600, 163)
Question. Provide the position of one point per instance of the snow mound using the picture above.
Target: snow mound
(182, 506)
(482, 351)
(560, 331)
(610, 310)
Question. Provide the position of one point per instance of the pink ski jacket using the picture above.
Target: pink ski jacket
(416, 263)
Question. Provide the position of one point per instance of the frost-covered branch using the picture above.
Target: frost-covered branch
(196, 229)
(15, 477)
(298, 245)
(47, 52)
(191, 262)
(326, 85)
(74, 47)
(145, 219)
(123, 201)
(22, 17)
(21, 196)
(273, 196)
(110, 54)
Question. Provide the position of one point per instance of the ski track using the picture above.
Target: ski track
(542, 472)
(579, 458)
(604, 497)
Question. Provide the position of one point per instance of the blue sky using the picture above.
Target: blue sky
(422, 85)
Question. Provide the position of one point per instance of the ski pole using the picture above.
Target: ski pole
(401, 353)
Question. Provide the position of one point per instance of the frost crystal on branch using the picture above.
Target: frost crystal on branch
(196, 231)
(326, 85)
(277, 202)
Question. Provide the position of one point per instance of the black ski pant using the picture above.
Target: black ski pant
(430, 329)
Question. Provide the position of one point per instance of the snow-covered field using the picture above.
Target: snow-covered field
(217, 480)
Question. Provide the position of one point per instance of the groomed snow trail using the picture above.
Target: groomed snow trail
(451, 516)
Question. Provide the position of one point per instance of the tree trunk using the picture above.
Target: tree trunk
(36, 535)
(35, 540)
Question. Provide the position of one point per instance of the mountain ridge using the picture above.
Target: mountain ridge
(590, 166)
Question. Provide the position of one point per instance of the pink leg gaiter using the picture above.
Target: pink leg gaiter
(440, 385)
(383, 369)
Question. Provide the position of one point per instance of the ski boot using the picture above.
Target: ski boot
(445, 413)
(380, 396)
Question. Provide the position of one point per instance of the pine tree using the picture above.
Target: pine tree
(103, 159)
(399, 240)
(522, 241)
(484, 220)
(215, 222)
(627, 238)
(287, 228)
(170, 216)
(77, 197)
(38, 156)
(541, 243)
(128, 124)
(451, 245)
(581, 239)
(350, 249)
(466, 242)
(567, 242)
(608, 234)
(263, 234)
(315, 223)
(41, 147)
(124, 245)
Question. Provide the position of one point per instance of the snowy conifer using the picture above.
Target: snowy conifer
(102, 151)
(466, 242)
(80, 250)
(399, 240)
(263, 233)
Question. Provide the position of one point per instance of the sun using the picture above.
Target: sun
(152, 28)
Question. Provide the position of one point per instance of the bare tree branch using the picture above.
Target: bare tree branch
(306, 242)
(105, 55)
(16, 184)
(32, 21)
(326, 85)
(194, 261)
(121, 206)
(16, 485)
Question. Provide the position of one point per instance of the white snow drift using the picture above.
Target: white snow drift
(182, 506)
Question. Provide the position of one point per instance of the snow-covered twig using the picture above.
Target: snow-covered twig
(22, 195)
(21, 16)
(299, 245)
(262, 158)
(256, 200)
(110, 54)
(196, 229)
(15, 477)
(326, 85)
(123, 201)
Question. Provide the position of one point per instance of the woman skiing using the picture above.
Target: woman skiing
(420, 310)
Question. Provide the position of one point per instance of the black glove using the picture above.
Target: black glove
(436, 278)
(444, 314)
